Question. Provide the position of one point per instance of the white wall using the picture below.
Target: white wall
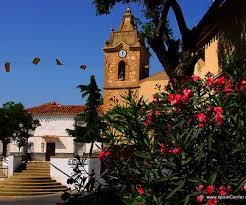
(59, 166)
(54, 124)
(12, 163)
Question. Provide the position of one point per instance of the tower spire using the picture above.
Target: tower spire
(127, 24)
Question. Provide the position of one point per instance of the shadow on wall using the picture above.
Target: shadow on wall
(232, 39)
(60, 145)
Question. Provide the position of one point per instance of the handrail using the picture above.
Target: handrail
(59, 170)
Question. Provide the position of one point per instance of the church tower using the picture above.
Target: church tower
(126, 61)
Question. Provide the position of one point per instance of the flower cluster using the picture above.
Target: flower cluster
(226, 85)
(178, 99)
(140, 190)
(218, 115)
(202, 119)
(211, 189)
(151, 116)
(104, 153)
(176, 151)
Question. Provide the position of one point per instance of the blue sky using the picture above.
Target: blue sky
(64, 29)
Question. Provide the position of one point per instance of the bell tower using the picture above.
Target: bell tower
(126, 61)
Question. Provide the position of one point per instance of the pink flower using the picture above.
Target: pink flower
(219, 119)
(199, 187)
(209, 190)
(195, 78)
(157, 113)
(218, 110)
(176, 150)
(199, 198)
(243, 82)
(244, 187)
(218, 115)
(222, 191)
(213, 201)
(174, 99)
(228, 188)
(187, 94)
(163, 148)
(220, 81)
(103, 154)
(140, 190)
(148, 120)
(210, 81)
(154, 99)
(202, 119)
(228, 88)
(107, 153)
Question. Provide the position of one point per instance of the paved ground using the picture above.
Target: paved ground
(37, 200)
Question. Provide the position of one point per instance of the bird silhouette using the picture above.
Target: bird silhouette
(7, 67)
(36, 61)
(58, 62)
(83, 67)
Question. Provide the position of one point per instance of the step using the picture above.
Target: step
(35, 170)
(38, 166)
(29, 184)
(29, 180)
(25, 193)
(17, 186)
(30, 175)
(37, 179)
(23, 190)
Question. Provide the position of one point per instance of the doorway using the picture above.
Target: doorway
(50, 150)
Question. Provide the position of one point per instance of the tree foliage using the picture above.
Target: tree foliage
(187, 144)
(15, 123)
(178, 56)
(89, 124)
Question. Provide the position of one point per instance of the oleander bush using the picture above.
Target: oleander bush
(185, 146)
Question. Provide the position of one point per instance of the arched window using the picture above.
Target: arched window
(121, 70)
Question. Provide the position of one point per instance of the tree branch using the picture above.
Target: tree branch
(181, 21)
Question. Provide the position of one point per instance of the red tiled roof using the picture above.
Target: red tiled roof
(53, 108)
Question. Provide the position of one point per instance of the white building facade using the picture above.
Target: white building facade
(51, 139)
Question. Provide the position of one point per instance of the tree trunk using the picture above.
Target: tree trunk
(5, 144)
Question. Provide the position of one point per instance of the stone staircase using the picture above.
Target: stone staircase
(34, 180)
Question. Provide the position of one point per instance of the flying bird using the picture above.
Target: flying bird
(83, 67)
(58, 62)
(36, 61)
(7, 67)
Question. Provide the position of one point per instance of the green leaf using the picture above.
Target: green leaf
(185, 161)
(166, 178)
(187, 199)
(176, 189)
(240, 184)
(213, 178)
(142, 155)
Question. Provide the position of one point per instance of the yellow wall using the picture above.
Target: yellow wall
(211, 63)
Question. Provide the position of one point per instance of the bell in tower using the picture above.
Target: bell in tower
(126, 60)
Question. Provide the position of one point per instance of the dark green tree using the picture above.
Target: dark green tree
(15, 124)
(89, 124)
(177, 60)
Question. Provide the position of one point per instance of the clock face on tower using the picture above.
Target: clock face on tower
(122, 53)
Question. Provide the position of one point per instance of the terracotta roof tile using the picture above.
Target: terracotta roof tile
(53, 108)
